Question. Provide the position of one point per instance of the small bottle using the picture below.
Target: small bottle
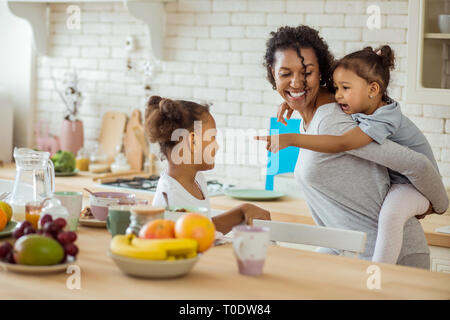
(82, 160)
(141, 215)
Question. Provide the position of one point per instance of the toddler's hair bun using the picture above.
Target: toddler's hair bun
(172, 111)
(154, 100)
(387, 55)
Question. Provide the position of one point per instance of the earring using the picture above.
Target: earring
(370, 97)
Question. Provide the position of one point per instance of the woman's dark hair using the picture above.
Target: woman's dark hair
(163, 116)
(371, 65)
(297, 38)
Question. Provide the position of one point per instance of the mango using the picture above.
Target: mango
(38, 250)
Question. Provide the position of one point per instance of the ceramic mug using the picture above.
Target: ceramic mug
(72, 201)
(250, 248)
(118, 219)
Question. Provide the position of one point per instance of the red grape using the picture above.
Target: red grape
(60, 222)
(29, 230)
(64, 237)
(51, 227)
(10, 257)
(17, 233)
(24, 224)
(71, 249)
(46, 218)
(5, 248)
(72, 236)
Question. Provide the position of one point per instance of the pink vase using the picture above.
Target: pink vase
(72, 137)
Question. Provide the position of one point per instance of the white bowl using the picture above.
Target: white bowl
(444, 23)
(154, 268)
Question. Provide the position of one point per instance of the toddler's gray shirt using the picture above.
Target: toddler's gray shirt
(346, 190)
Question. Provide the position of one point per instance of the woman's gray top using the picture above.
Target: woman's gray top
(346, 190)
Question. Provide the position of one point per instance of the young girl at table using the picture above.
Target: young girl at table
(186, 133)
(361, 79)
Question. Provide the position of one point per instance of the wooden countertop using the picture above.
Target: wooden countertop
(288, 274)
(287, 209)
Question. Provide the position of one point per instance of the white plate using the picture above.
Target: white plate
(22, 268)
(92, 223)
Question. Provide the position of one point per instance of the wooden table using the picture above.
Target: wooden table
(288, 274)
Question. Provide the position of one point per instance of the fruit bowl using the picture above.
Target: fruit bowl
(154, 268)
(22, 268)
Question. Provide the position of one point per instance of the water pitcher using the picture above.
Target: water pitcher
(35, 179)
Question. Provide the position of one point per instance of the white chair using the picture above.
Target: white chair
(352, 243)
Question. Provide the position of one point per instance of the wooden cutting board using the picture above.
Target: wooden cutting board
(111, 133)
(133, 149)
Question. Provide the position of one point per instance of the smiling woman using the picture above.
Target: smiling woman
(344, 190)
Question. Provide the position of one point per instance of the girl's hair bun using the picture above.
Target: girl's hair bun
(387, 56)
(172, 111)
(154, 100)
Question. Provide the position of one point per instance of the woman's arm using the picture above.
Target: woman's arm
(244, 212)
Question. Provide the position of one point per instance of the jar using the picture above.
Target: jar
(141, 215)
(120, 164)
(82, 160)
(55, 209)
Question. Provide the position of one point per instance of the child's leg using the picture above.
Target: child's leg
(402, 202)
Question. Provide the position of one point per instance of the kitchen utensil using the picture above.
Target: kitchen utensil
(111, 133)
(116, 174)
(33, 168)
(100, 201)
(89, 191)
(154, 268)
(250, 248)
(67, 174)
(8, 229)
(141, 215)
(23, 268)
(444, 23)
(133, 148)
(253, 194)
(150, 159)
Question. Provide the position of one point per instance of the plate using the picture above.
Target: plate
(154, 268)
(253, 194)
(9, 228)
(67, 174)
(22, 268)
(92, 223)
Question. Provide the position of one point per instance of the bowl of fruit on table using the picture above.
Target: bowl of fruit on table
(47, 249)
(163, 248)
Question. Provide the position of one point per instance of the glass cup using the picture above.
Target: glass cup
(33, 212)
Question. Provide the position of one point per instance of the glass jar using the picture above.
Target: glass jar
(141, 215)
(83, 159)
(55, 209)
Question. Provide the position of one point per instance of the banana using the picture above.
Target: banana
(153, 249)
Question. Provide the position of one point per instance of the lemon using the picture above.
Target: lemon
(8, 210)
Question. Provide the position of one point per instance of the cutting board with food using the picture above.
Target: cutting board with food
(111, 133)
(133, 149)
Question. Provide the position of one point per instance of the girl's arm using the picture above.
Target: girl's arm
(352, 139)
(244, 212)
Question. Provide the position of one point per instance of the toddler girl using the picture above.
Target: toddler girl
(186, 134)
(361, 79)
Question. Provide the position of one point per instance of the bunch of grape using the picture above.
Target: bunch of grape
(50, 228)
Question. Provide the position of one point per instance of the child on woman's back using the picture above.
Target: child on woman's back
(186, 134)
(361, 79)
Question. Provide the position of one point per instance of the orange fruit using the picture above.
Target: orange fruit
(158, 229)
(7, 208)
(3, 219)
(197, 227)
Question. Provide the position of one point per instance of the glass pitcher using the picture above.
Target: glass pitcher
(35, 179)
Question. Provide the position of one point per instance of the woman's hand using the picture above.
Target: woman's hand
(251, 212)
(276, 142)
(282, 109)
(429, 211)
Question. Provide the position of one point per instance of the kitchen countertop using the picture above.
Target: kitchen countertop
(288, 274)
(287, 209)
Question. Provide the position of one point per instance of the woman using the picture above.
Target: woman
(344, 190)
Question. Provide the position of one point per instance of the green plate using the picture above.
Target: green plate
(253, 194)
(7, 231)
(67, 174)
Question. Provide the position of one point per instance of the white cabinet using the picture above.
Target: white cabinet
(440, 259)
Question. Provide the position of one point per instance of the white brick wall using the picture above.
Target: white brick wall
(213, 53)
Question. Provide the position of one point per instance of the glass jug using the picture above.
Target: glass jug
(35, 179)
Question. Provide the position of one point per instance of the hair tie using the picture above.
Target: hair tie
(378, 52)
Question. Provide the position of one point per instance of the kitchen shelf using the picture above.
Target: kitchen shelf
(442, 36)
(149, 11)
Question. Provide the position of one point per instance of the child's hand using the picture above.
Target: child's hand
(276, 142)
(282, 109)
(254, 212)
